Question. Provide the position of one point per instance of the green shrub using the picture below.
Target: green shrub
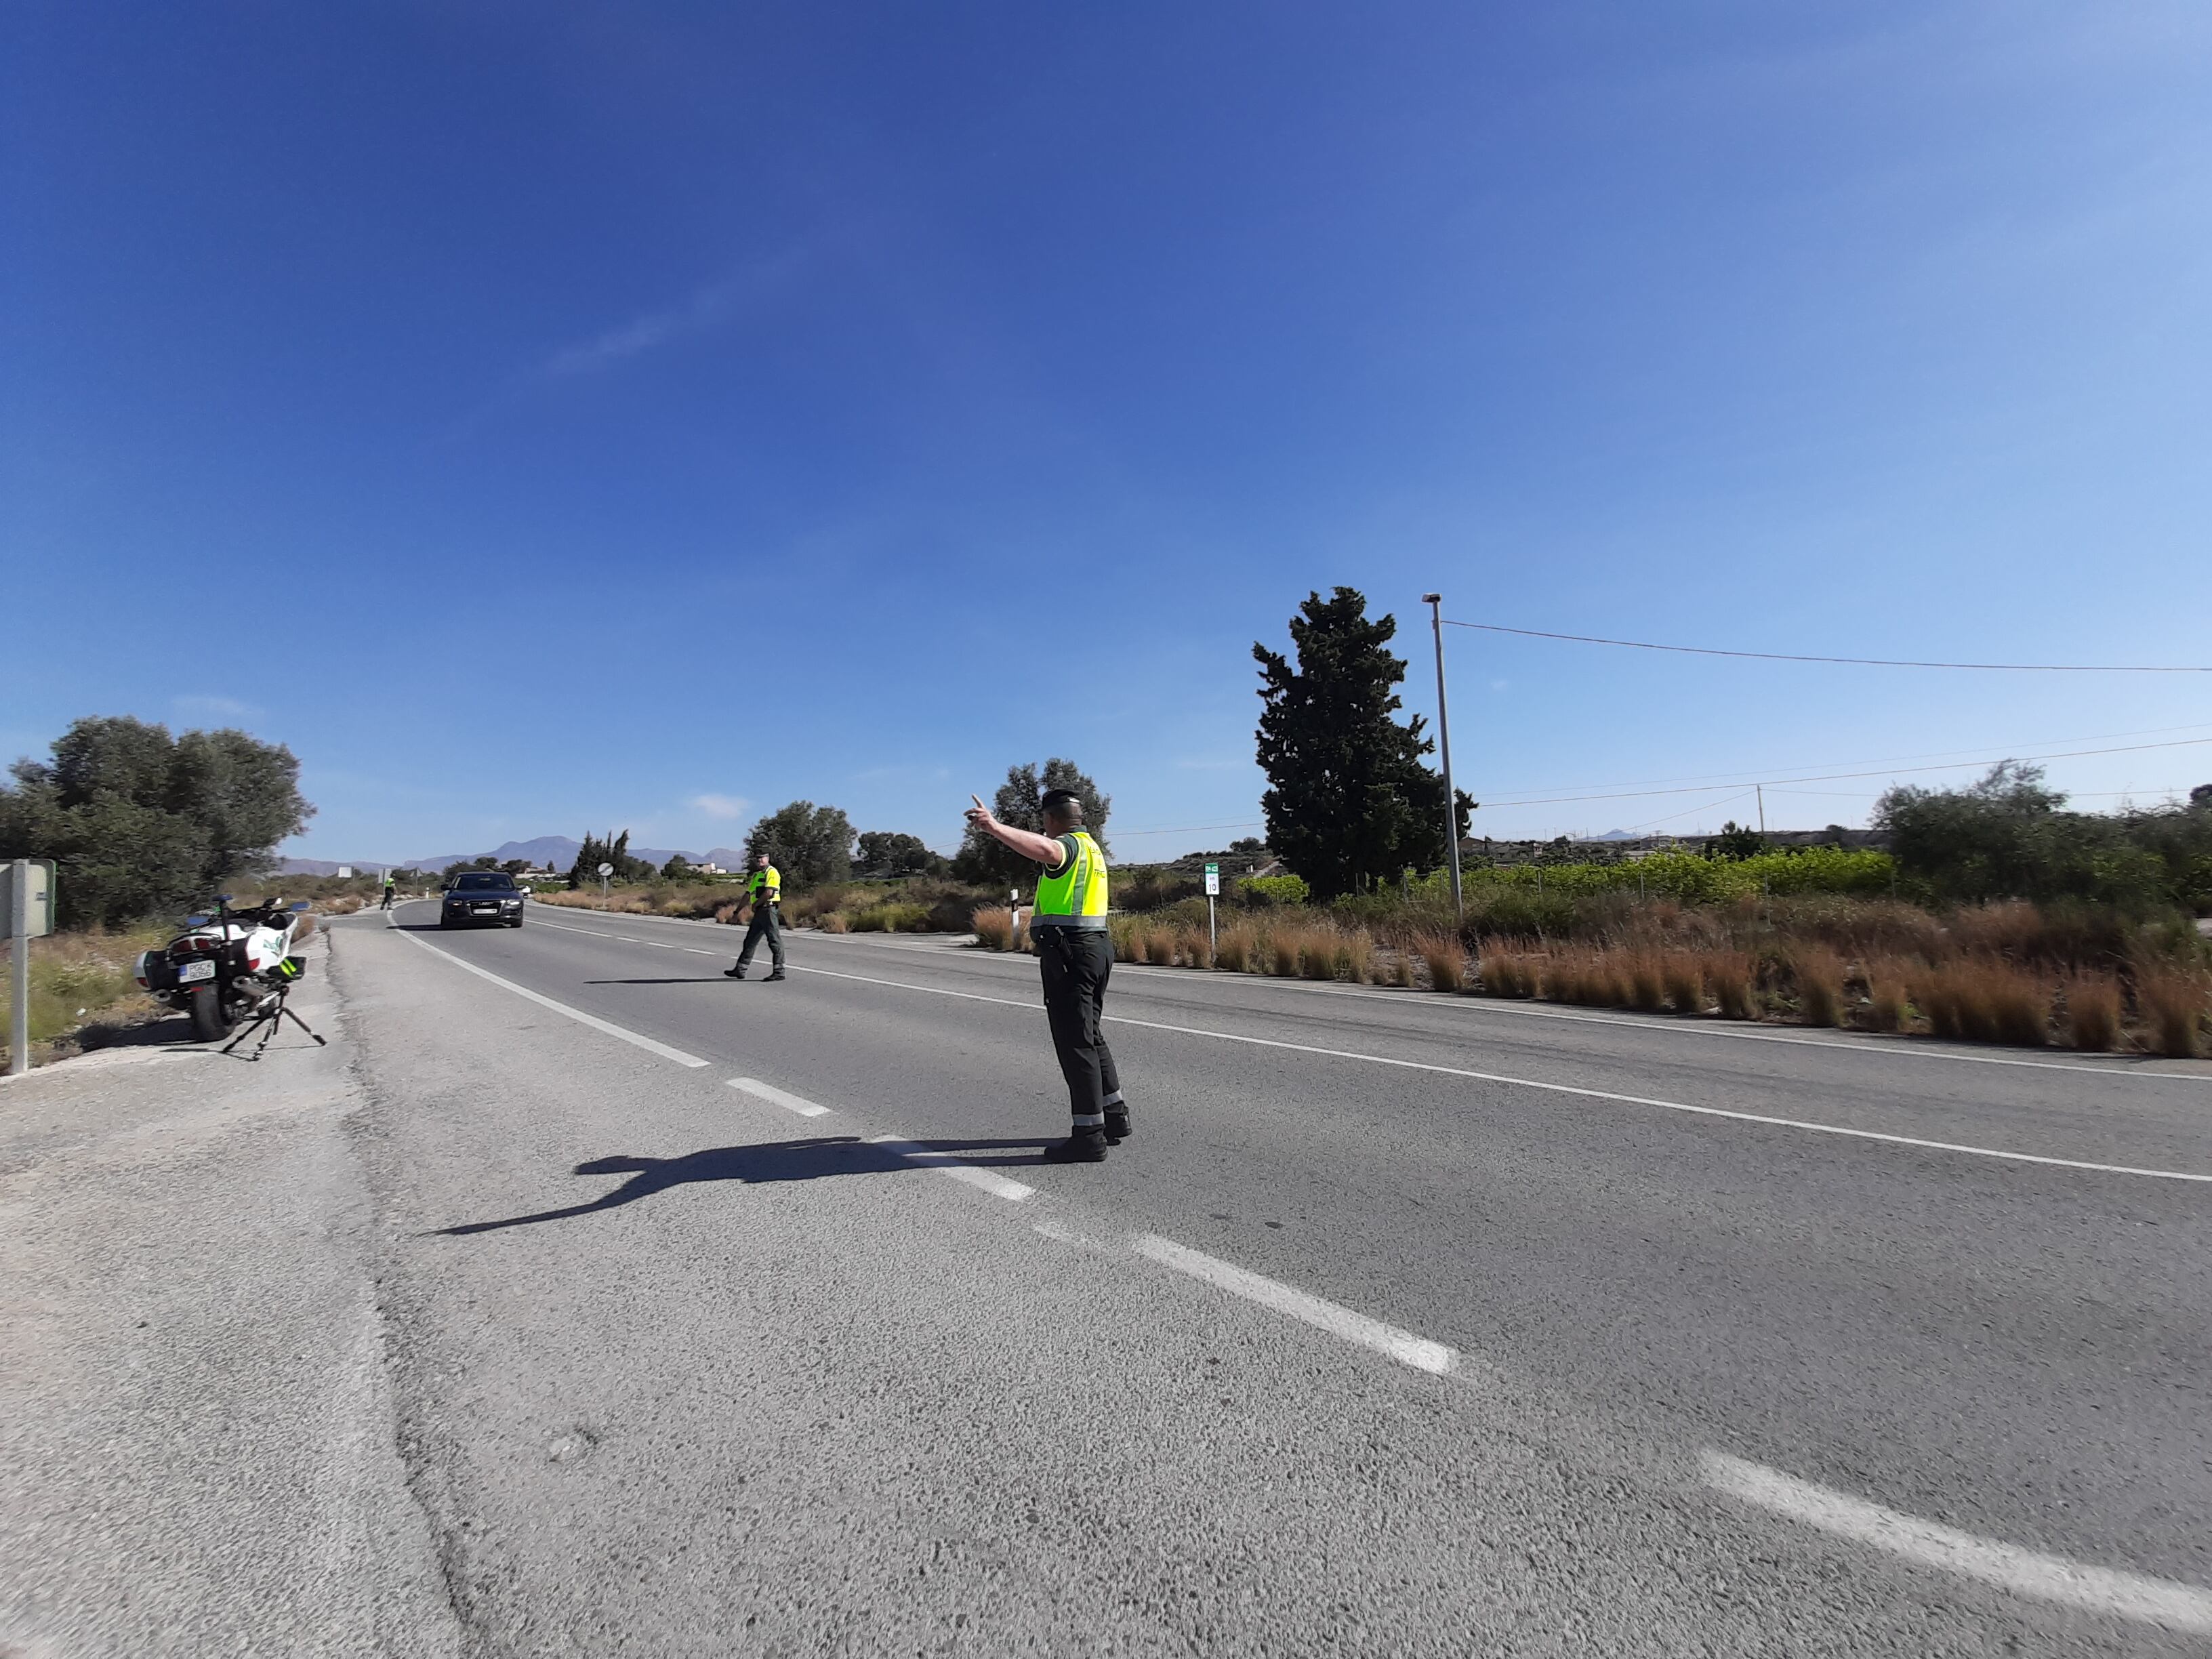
(1273, 890)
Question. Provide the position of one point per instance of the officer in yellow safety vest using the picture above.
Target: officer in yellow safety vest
(1076, 953)
(765, 891)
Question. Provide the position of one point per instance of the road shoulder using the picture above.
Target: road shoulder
(195, 1435)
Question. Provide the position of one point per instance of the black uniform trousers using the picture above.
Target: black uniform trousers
(1076, 962)
(764, 925)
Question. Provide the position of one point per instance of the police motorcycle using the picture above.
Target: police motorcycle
(234, 966)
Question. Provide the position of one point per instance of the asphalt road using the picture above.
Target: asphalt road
(1403, 1324)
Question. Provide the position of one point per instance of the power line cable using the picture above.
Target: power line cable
(1883, 772)
(1771, 775)
(1855, 662)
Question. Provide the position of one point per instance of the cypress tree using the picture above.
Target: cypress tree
(1350, 803)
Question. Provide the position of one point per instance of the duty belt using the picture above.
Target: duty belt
(1085, 924)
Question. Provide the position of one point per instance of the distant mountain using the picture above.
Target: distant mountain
(1616, 835)
(557, 853)
(544, 852)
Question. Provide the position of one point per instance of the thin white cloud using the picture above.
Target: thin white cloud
(722, 806)
(707, 308)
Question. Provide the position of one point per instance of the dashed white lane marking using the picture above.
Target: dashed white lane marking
(945, 1163)
(2025, 1573)
(1403, 1346)
(576, 1014)
(1554, 1088)
(775, 1096)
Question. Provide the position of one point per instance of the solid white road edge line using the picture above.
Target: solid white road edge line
(576, 1014)
(1403, 1346)
(945, 1163)
(1554, 1088)
(2045, 1577)
(1879, 1049)
(775, 1096)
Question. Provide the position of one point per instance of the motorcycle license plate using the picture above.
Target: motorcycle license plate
(191, 973)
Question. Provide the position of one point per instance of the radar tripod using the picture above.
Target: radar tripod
(268, 1019)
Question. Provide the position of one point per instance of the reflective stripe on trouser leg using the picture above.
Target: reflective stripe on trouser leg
(764, 925)
(1071, 964)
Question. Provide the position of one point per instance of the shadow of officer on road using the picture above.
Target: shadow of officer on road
(771, 1161)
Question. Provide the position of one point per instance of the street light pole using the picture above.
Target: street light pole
(1435, 601)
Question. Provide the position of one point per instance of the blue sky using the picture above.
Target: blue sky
(544, 417)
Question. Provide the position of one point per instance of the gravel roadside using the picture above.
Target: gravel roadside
(196, 1438)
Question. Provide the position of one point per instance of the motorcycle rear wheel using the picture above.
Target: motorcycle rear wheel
(211, 1021)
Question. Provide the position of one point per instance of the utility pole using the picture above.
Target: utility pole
(1435, 601)
(19, 946)
(1762, 806)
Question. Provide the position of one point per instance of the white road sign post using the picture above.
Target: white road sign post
(1212, 892)
(27, 888)
(605, 869)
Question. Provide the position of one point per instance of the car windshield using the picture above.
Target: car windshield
(488, 884)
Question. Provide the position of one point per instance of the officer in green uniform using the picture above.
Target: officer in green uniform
(765, 890)
(1076, 954)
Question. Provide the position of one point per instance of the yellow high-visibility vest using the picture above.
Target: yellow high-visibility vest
(765, 881)
(1074, 896)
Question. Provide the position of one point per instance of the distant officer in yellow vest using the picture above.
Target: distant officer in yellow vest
(1076, 953)
(765, 890)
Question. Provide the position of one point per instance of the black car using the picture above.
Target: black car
(482, 895)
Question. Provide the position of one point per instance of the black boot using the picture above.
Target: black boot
(772, 978)
(734, 973)
(1117, 1126)
(1083, 1146)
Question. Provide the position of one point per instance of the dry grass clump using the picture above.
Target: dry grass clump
(1196, 951)
(1592, 979)
(1238, 952)
(1509, 974)
(2092, 1012)
(1984, 999)
(1646, 983)
(2173, 1005)
(1162, 946)
(1285, 942)
(1317, 953)
(1819, 975)
(1887, 1007)
(1401, 972)
(833, 923)
(339, 907)
(1445, 958)
(1733, 976)
(2019, 1006)
(1684, 983)
(995, 927)
(1352, 957)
